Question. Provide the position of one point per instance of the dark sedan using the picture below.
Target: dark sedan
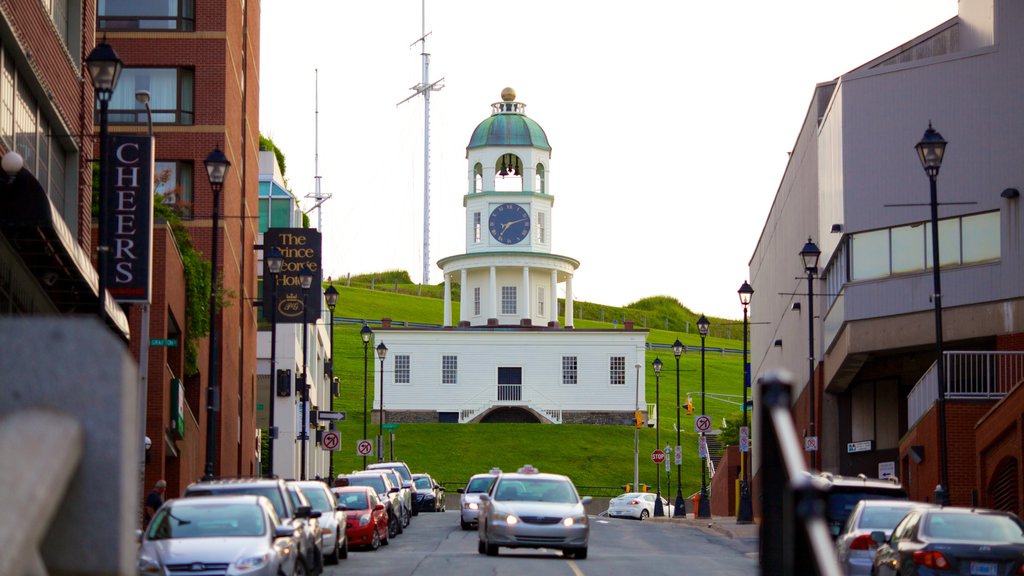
(429, 494)
(952, 540)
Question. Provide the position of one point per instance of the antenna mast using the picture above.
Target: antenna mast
(424, 88)
(318, 196)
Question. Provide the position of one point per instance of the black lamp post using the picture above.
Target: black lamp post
(306, 280)
(105, 69)
(810, 254)
(365, 334)
(659, 508)
(216, 169)
(704, 508)
(331, 296)
(930, 149)
(382, 352)
(274, 262)
(680, 507)
(745, 511)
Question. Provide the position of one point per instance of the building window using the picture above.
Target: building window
(449, 370)
(508, 299)
(476, 301)
(538, 180)
(170, 96)
(617, 369)
(540, 300)
(476, 227)
(478, 178)
(401, 369)
(173, 186)
(58, 11)
(569, 370)
(146, 15)
(541, 227)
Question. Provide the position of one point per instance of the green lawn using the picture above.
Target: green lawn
(594, 456)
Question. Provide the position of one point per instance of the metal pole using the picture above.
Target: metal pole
(704, 508)
(273, 369)
(102, 248)
(810, 361)
(636, 435)
(745, 512)
(365, 345)
(942, 490)
(304, 397)
(380, 418)
(659, 509)
(212, 388)
(680, 505)
(330, 455)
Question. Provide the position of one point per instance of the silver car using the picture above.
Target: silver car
(222, 535)
(332, 520)
(529, 509)
(854, 547)
(469, 499)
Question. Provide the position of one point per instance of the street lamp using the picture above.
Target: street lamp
(704, 508)
(745, 512)
(930, 149)
(306, 280)
(680, 507)
(636, 432)
(216, 169)
(382, 352)
(659, 509)
(365, 334)
(105, 69)
(809, 255)
(331, 296)
(275, 260)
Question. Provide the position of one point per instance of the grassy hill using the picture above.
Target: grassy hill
(594, 456)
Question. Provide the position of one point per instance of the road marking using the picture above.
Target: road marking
(575, 569)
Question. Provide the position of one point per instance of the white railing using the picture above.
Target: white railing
(468, 414)
(968, 376)
(510, 392)
(554, 415)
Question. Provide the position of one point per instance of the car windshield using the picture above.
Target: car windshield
(317, 498)
(841, 504)
(208, 521)
(875, 518)
(535, 490)
(271, 492)
(375, 482)
(423, 483)
(480, 484)
(402, 472)
(353, 500)
(972, 528)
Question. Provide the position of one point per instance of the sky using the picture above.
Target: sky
(670, 123)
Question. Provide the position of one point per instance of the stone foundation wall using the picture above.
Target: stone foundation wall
(602, 418)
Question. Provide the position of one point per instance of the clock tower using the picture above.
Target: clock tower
(509, 275)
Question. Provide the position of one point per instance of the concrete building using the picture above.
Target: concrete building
(508, 358)
(855, 186)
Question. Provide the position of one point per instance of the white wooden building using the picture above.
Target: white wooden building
(508, 358)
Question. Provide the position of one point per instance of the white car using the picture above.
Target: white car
(854, 547)
(333, 521)
(469, 497)
(639, 505)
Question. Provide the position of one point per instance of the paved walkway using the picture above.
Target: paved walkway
(721, 525)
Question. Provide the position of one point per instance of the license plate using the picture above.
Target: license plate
(983, 569)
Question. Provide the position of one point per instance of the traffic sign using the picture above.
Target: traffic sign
(390, 425)
(326, 415)
(163, 341)
(702, 447)
(331, 440)
(364, 447)
(810, 444)
(702, 423)
(744, 444)
(679, 454)
(658, 456)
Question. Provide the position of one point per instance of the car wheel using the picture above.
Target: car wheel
(481, 548)
(491, 549)
(375, 539)
(394, 526)
(332, 558)
(318, 560)
(406, 518)
(342, 551)
(644, 515)
(580, 553)
(300, 568)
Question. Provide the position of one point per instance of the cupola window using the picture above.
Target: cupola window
(508, 174)
(478, 178)
(539, 183)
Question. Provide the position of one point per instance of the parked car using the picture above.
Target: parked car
(276, 491)
(404, 474)
(529, 509)
(469, 501)
(224, 534)
(404, 493)
(639, 505)
(332, 519)
(843, 492)
(854, 546)
(388, 493)
(367, 516)
(429, 494)
(950, 540)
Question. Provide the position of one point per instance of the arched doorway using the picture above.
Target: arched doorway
(1004, 488)
(511, 415)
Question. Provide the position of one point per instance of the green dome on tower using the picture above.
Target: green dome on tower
(508, 125)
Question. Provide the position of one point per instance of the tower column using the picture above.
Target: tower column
(525, 315)
(492, 304)
(553, 299)
(568, 303)
(465, 303)
(447, 299)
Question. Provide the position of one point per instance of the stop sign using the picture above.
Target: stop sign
(658, 456)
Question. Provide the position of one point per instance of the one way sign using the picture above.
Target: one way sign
(325, 415)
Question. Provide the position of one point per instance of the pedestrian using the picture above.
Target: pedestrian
(154, 500)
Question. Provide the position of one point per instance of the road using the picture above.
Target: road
(434, 545)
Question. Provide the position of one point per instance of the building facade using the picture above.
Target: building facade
(855, 186)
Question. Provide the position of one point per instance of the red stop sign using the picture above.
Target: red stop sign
(658, 456)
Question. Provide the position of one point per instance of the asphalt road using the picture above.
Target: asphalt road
(434, 545)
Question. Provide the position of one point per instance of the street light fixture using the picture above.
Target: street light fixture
(704, 508)
(216, 169)
(636, 432)
(809, 255)
(306, 280)
(365, 334)
(275, 260)
(105, 69)
(931, 149)
(331, 296)
(382, 352)
(745, 512)
(680, 507)
(659, 508)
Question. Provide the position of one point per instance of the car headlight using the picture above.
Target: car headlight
(364, 519)
(568, 521)
(148, 565)
(574, 520)
(473, 506)
(252, 562)
(511, 520)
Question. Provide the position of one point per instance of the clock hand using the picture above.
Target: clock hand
(506, 225)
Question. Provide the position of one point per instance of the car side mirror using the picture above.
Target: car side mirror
(304, 512)
(878, 537)
(441, 488)
(485, 497)
(586, 500)
(378, 507)
(315, 514)
(283, 531)
(460, 490)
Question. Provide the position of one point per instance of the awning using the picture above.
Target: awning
(36, 231)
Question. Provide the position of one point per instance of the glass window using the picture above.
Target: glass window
(908, 249)
(173, 185)
(949, 242)
(401, 369)
(478, 178)
(541, 227)
(508, 299)
(449, 370)
(981, 237)
(146, 15)
(870, 255)
(617, 366)
(476, 227)
(540, 300)
(569, 370)
(170, 93)
(538, 180)
(25, 127)
(7, 101)
(476, 301)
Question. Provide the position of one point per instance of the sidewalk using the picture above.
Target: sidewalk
(720, 525)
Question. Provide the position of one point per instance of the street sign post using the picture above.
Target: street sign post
(364, 447)
(327, 415)
(331, 441)
(390, 425)
(679, 454)
(744, 439)
(658, 456)
(702, 423)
